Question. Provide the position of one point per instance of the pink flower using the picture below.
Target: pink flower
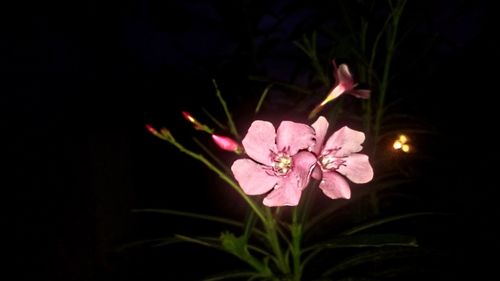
(226, 143)
(344, 84)
(277, 163)
(337, 158)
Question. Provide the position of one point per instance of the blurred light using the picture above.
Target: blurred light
(403, 138)
(405, 148)
(397, 144)
(401, 143)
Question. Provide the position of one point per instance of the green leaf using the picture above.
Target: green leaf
(366, 240)
(238, 246)
(233, 244)
(211, 155)
(361, 241)
(230, 121)
(262, 97)
(370, 257)
(325, 214)
(232, 275)
(283, 84)
(154, 242)
(387, 220)
(215, 120)
(198, 241)
(190, 215)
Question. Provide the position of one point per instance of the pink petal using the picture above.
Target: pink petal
(289, 187)
(226, 143)
(335, 186)
(357, 168)
(362, 94)
(294, 137)
(317, 173)
(320, 127)
(344, 77)
(346, 141)
(333, 94)
(260, 141)
(283, 196)
(252, 177)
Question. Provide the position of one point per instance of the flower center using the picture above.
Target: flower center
(330, 162)
(282, 164)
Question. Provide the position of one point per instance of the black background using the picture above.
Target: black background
(81, 78)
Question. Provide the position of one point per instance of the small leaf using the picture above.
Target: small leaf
(232, 275)
(154, 242)
(387, 220)
(284, 84)
(367, 240)
(263, 97)
(235, 245)
(238, 247)
(370, 257)
(190, 215)
(196, 241)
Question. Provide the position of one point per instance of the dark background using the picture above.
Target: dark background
(81, 78)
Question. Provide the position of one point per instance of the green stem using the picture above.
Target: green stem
(296, 232)
(272, 237)
(371, 72)
(397, 11)
(310, 49)
(230, 122)
(263, 97)
(222, 175)
(209, 153)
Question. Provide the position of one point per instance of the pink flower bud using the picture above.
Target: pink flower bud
(226, 143)
(189, 117)
(151, 129)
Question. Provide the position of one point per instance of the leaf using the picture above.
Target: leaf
(283, 84)
(387, 220)
(196, 241)
(367, 240)
(361, 241)
(178, 238)
(238, 246)
(233, 244)
(229, 117)
(370, 257)
(190, 215)
(156, 242)
(217, 122)
(262, 97)
(336, 205)
(232, 275)
(211, 155)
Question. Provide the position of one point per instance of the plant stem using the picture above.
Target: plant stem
(296, 232)
(230, 122)
(272, 237)
(392, 34)
(222, 175)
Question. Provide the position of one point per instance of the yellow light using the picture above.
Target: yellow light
(397, 144)
(403, 138)
(405, 148)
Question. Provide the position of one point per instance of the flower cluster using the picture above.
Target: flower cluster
(282, 161)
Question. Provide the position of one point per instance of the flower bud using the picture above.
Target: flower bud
(227, 143)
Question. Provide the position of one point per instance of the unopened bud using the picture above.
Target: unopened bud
(227, 143)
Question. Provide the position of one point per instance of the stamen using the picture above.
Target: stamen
(330, 162)
(282, 164)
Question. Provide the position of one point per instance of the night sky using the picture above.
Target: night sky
(81, 78)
